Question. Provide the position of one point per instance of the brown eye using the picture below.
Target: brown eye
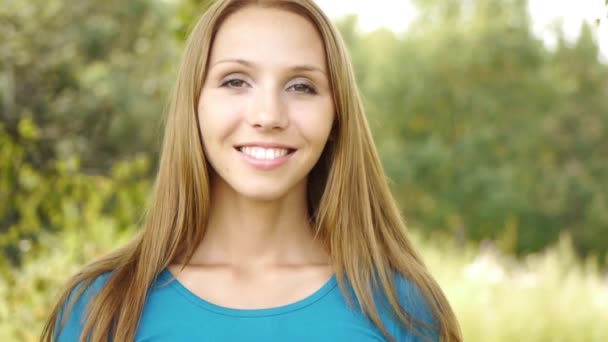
(303, 88)
(234, 83)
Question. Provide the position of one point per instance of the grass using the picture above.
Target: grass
(550, 296)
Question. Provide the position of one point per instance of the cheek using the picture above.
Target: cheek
(217, 120)
(316, 124)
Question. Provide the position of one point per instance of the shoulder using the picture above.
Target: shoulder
(415, 303)
(70, 322)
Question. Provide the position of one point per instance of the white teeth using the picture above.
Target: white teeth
(264, 153)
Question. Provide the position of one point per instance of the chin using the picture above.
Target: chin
(265, 189)
(263, 193)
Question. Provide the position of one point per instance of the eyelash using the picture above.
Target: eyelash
(308, 89)
(230, 84)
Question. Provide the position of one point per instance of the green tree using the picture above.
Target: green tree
(92, 75)
(82, 91)
(486, 133)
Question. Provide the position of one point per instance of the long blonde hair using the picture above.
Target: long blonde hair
(350, 203)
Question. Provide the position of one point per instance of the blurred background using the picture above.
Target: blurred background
(493, 131)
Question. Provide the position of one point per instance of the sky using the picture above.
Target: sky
(397, 14)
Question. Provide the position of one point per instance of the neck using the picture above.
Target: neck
(251, 233)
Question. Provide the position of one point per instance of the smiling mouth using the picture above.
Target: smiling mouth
(265, 153)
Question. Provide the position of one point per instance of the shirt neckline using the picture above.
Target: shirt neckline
(167, 277)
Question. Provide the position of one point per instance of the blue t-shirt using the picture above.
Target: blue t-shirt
(173, 313)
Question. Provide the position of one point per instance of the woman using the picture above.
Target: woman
(271, 218)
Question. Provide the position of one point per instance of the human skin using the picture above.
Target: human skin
(266, 86)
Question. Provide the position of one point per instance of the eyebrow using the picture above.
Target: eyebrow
(299, 67)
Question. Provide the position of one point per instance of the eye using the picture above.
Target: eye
(234, 83)
(303, 88)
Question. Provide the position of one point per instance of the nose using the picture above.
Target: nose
(267, 111)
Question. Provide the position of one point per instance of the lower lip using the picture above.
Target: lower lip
(265, 164)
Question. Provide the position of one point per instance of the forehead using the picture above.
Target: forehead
(268, 36)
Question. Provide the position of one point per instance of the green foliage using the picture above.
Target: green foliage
(27, 293)
(59, 220)
(78, 100)
(88, 74)
(62, 199)
(486, 133)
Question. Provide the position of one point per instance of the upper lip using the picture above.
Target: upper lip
(265, 145)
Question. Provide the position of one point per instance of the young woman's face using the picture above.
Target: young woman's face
(266, 107)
